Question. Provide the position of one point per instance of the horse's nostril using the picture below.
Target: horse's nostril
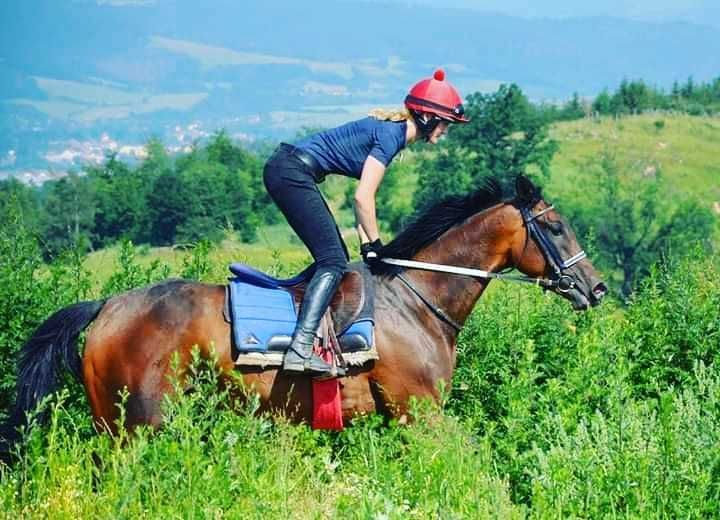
(599, 291)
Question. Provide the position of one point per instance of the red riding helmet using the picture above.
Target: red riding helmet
(438, 97)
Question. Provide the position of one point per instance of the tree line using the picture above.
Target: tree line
(161, 201)
(636, 96)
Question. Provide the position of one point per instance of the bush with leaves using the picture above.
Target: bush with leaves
(30, 290)
(592, 414)
(613, 412)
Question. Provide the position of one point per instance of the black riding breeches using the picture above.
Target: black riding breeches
(293, 189)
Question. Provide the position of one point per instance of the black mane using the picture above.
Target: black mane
(435, 221)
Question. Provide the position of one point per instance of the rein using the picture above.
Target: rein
(562, 282)
(434, 308)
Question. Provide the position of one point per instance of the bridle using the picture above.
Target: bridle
(547, 247)
(559, 280)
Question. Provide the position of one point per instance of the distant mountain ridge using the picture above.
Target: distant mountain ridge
(78, 69)
(702, 12)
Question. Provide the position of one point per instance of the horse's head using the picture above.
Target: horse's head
(548, 248)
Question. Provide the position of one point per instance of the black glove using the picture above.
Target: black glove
(370, 252)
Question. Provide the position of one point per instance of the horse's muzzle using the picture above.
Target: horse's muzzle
(598, 293)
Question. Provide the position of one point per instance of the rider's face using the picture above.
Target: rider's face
(440, 130)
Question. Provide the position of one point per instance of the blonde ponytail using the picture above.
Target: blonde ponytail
(384, 114)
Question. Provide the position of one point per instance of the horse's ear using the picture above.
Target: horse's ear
(526, 191)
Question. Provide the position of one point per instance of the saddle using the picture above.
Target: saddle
(262, 311)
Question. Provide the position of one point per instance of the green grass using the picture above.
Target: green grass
(685, 150)
(276, 252)
(612, 413)
(552, 413)
(89, 93)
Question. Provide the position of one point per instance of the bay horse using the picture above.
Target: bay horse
(135, 335)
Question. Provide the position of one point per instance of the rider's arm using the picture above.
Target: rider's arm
(372, 174)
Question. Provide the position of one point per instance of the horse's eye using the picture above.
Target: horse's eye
(556, 228)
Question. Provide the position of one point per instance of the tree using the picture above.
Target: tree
(68, 218)
(634, 222)
(393, 203)
(156, 162)
(23, 199)
(451, 171)
(223, 188)
(573, 109)
(121, 202)
(603, 103)
(506, 136)
(167, 204)
(211, 201)
(632, 97)
(221, 150)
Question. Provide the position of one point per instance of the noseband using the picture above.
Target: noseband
(565, 282)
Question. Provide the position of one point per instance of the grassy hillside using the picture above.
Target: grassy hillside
(685, 149)
(277, 251)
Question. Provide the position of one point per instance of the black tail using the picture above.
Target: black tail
(52, 347)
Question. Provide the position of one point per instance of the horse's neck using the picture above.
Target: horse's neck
(477, 244)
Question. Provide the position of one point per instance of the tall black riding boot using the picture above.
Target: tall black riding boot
(319, 293)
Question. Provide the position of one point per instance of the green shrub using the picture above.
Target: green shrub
(30, 291)
(130, 274)
(674, 323)
(532, 374)
(645, 459)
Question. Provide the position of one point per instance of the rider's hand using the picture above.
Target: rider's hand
(370, 252)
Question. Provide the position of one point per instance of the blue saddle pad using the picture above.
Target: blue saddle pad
(263, 317)
(245, 273)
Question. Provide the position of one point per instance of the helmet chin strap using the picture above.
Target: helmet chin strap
(425, 123)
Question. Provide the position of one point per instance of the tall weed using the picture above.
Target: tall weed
(217, 458)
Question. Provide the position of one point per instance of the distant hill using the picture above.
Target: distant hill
(703, 12)
(74, 70)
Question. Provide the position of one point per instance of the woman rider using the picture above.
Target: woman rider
(361, 149)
